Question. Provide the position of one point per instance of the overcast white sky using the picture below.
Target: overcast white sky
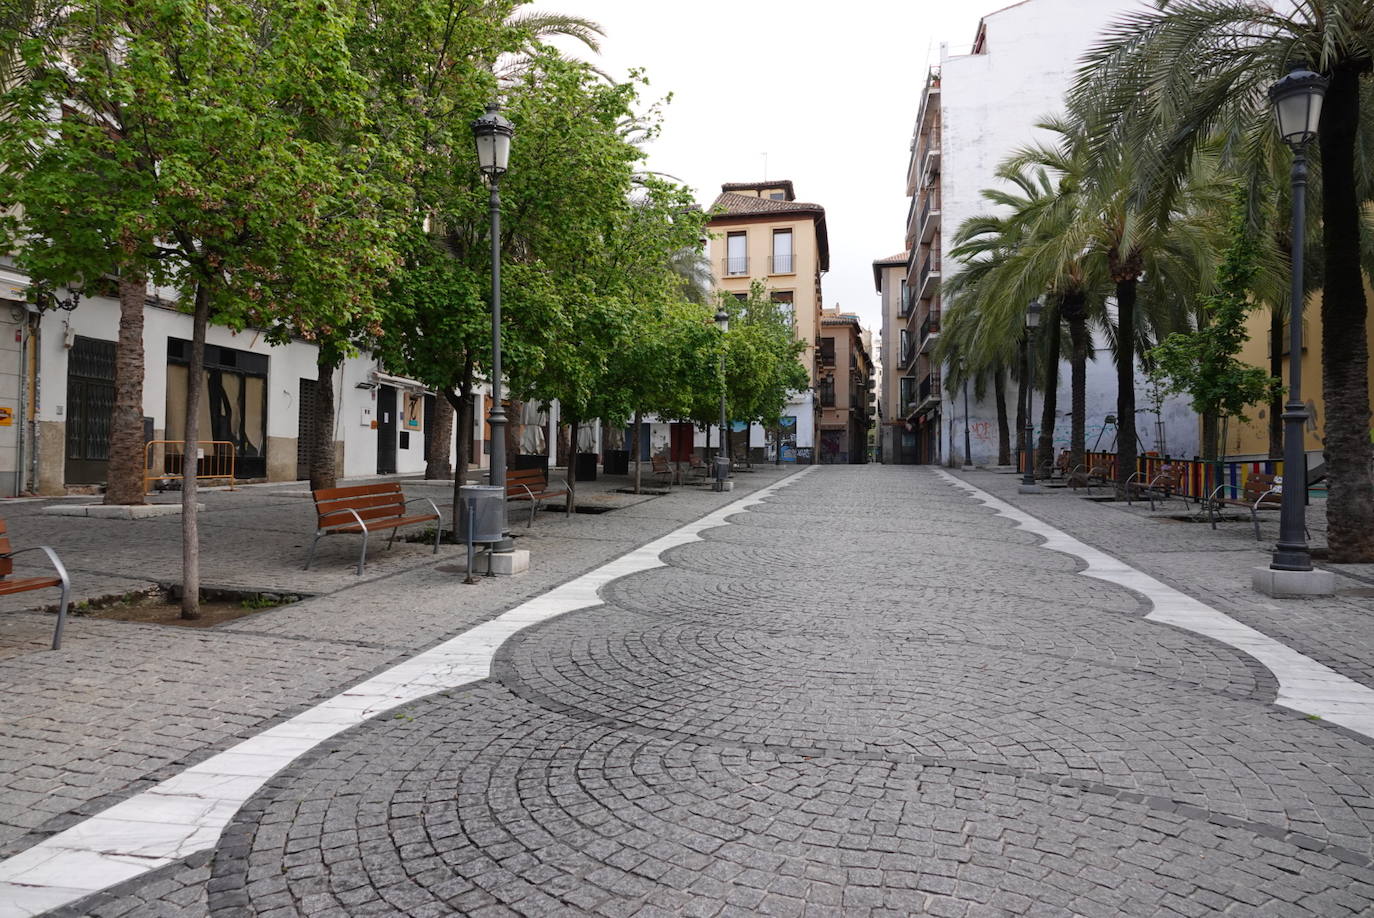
(828, 89)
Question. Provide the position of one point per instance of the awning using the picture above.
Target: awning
(13, 285)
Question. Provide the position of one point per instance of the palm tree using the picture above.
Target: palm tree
(1098, 223)
(1162, 81)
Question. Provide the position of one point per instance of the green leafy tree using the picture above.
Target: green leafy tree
(1202, 364)
(168, 140)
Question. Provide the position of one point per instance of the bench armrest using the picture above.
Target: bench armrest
(1276, 489)
(428, 501)
(528, 493)
(56, 562)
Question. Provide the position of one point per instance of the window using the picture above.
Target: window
(736, 255)
(905, 308)
(778, 195)
(742, 297)
(827, 392)
(784, 300)
(782, 252)
(905, 353)
(828, 351)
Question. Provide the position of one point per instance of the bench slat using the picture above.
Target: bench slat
(389, 523)
(359, 503)
(381, 487)
(367, 514)
(8, 587)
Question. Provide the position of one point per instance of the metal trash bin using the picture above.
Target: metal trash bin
(483, 509)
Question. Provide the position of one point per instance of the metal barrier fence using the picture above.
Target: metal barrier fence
(1200, 477)
(215, 459)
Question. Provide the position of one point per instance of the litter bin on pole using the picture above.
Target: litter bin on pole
(481, 518)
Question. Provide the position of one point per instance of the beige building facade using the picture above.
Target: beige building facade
(759, 231)
(844, 374)
(895, 444)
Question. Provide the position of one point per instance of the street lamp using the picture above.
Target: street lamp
(722, 460)
(1297, 102)
(493, 134)
(1028, 485)
(968, 450)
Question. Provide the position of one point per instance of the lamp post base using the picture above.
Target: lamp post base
(1030, 489)
(1292, 584)
(726, 485)
(966, 468)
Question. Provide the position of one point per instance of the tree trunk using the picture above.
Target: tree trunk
(439, 441)
(999, 388)
(572, 464)
(1276, 330)
(1078, 382)
(124, 484)
(323, 473)
(634, 444)
(1345, 342)
(1049, 406)
(1022, 403)
(1125, 382)
(195, 384)
(1211, 431)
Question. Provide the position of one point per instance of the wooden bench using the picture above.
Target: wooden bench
(697, 466)
(10, 587)
(1081, 476)
(366, 509)
(532, 485)
(1262, 491)
(1063, 465)
(1166, 483)
(663, 470)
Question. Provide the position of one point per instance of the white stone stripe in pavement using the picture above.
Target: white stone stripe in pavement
(187, 813)
(1305, 685)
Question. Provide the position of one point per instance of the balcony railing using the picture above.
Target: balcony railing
(782, 264)
(931, 325)
(736, 267)
(930, 268)
(923, 390)
(904, 310)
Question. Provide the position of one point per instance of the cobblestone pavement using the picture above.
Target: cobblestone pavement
(867, 696)
(122, 705)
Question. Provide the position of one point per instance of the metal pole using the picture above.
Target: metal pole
(498, 412)
(1028, 478)
(722, 461)
(968, 451)
(1291, 552)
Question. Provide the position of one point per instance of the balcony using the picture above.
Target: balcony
(930, 161)
(782, 264)
(927, 394)
(907, 355)
(930, 332)
(737, 267)
(929, 278)
(930, 218)
(907, 304)
(826, 354)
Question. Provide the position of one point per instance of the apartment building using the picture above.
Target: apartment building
(845, 375)
(895, 442)
(761, 232)
(975, 110)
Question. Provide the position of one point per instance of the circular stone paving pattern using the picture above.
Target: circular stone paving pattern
(1062, 718)
(485, 805)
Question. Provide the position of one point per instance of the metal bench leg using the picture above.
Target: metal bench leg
(1255, 517)
(438, 531)
(392, 541)
(61, 614)
(362, 559)
(309, 559)
(1211, 514)
(534, 507)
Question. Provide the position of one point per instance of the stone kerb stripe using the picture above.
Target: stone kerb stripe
(1305, 685)
(187, 813)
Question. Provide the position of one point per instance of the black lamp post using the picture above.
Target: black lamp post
(722, 460)
(493, 135)
(1297, 102)
(968, 450)
(1028, 485)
